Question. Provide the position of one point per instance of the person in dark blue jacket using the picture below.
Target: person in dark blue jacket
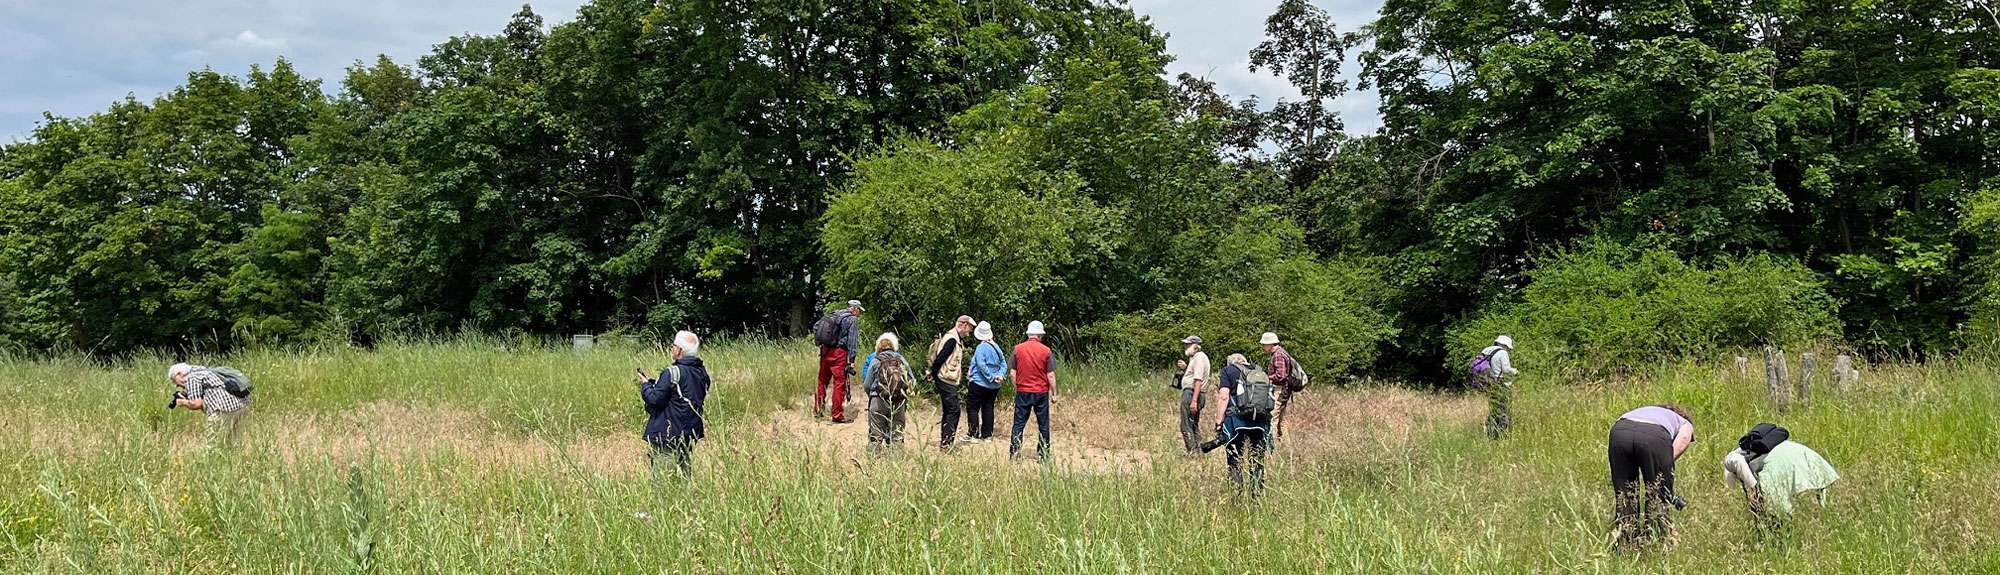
(673, 404)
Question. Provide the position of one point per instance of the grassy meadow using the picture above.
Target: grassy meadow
(472, 456)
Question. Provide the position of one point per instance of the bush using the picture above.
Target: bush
(1608, 308)
(925, 232)
(1329, 314)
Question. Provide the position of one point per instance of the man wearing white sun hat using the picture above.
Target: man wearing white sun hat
(1286, 374)
(1034, 373)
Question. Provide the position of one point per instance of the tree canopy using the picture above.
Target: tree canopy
(735, 165)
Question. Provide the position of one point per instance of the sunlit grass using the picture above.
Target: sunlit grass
(528, 462)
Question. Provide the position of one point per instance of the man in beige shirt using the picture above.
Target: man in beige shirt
(1194, 378)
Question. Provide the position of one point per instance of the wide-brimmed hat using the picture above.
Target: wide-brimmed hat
(1504, 341)
(856, 304)
(1268, 339)
(894, 344)
(1035, 328)
(983, 332)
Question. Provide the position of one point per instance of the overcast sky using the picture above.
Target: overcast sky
(75, 57)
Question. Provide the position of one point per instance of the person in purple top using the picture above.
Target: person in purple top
(1644, 444)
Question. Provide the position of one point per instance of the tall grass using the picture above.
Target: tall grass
(539, 471)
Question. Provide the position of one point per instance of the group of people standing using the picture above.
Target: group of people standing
(968, 387)
(1253, 404)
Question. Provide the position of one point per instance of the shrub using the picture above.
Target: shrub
(1609, 308)
(1329, 313)
(925, 232)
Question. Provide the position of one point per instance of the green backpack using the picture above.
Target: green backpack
(233, 381)
(1256, 397)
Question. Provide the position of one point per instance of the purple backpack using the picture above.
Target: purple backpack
(1482, 365)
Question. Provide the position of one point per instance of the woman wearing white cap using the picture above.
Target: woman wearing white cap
(1495, 370)
(988, 370)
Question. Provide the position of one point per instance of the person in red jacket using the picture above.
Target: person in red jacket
(1034, 374)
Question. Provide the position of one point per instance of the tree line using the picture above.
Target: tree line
(735, 165)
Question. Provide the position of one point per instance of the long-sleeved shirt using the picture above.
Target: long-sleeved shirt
(674, 404)
(1281, 366)
(850, 330)
(988, 365)
(1502, 360)
(208, 387)
(945, 352)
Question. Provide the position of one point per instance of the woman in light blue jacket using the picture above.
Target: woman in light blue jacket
(988, 370)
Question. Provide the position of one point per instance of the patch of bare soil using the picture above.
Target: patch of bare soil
(1102, 435)
(1075, 447)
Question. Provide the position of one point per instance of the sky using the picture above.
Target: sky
(76, 57)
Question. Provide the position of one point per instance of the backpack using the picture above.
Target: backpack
(1256, 397)
(1483, 365)
(826, 331)
(1763, 438)
(233, 381)
(1299, 377)
(891, 375)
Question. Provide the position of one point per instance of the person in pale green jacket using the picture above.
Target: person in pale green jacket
(1770, 481)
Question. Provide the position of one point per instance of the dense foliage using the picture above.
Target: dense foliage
(1606, 308)
(735, 165)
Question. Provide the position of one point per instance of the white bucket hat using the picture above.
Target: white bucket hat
(984, 332)
(894, 344)
(1504, 341)
(1268, 339)
(1035, 328)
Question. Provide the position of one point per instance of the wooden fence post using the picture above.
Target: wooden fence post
(1775, 380)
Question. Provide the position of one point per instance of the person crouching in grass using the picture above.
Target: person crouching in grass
(674, 405)
(222, 394)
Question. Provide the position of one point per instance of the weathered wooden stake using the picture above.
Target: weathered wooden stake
(1742, 367)
(1808, 364)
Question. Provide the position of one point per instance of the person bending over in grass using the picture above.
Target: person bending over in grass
(674, 405)
(1248, 400)
(222, 394)
(888, 386)
(1644, 444)
(1772, 469)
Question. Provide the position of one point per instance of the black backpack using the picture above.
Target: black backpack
(826, 331)
(1763, 438)
(1256, 397)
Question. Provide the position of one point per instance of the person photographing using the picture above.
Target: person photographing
(222, 394)
(674, 405)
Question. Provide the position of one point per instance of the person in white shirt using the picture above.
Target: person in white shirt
(1194, 376)
(1499, 383)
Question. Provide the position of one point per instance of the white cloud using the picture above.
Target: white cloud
(250, 39)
